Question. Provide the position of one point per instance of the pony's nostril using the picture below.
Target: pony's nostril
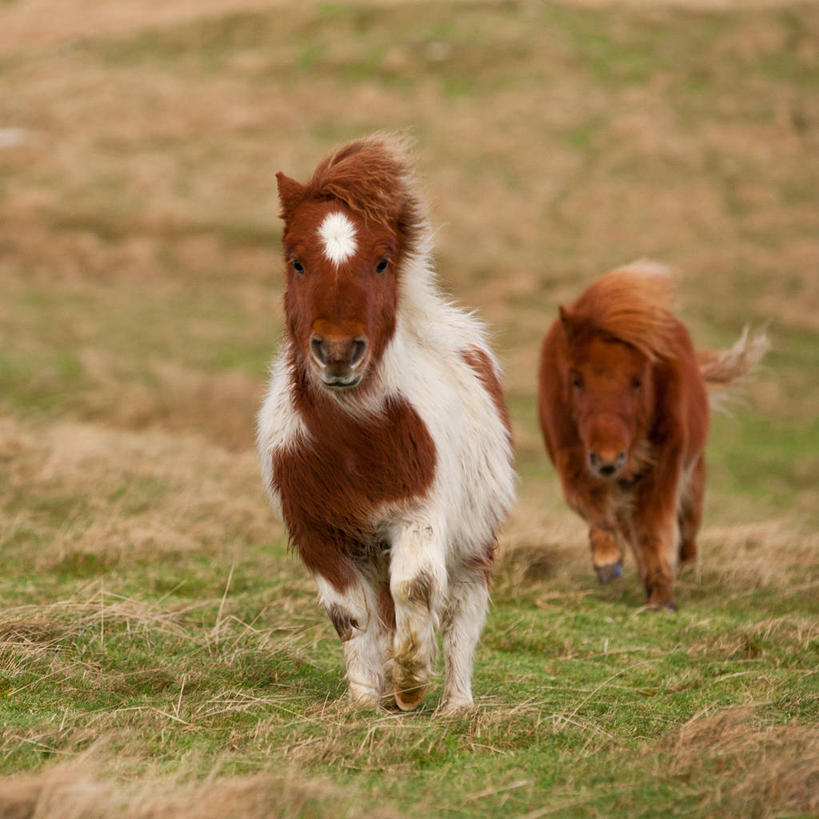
(358, 350)
(606, 466)
(317, 349)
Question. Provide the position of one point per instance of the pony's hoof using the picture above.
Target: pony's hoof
(409, 699)
(364, 697)
(454, 707)
(669, 606)
(605, 574)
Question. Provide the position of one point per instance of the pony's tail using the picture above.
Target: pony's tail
(721, 367)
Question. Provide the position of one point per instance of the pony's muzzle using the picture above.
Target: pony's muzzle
(339, 360)
(606, 464)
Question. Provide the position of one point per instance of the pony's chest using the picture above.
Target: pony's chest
(346, 467)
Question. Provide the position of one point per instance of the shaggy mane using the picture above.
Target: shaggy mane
(374, 177)
(631, 304)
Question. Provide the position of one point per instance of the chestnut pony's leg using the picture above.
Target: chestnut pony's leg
(690, 513)
(607, 555)
(656, 541)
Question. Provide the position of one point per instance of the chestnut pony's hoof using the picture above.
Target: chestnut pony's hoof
(669, 606)
(605, 574)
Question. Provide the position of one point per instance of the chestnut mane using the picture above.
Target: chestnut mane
(373, 177)
(631, 304)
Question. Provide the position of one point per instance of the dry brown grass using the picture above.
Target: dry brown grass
(35, 24)
(71, 791)
(764, 553)
(162, 493)
(769, 770)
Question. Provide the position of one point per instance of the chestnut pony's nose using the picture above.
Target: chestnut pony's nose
(338, 352)
(607, 464)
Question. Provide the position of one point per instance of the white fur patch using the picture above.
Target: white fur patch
(279, 426)
(338, 234)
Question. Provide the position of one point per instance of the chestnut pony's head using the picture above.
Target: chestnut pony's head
(614, 335)
(346, 234)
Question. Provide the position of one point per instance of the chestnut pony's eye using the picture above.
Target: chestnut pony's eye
(577, 381)
(636, 383)
(298, 267)
(382, 265)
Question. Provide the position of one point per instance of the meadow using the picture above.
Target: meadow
(161, 650)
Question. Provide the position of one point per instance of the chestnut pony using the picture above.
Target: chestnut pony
(384, 439)
(624, 414)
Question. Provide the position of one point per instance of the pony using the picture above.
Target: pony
(624, 414)
(384, 439)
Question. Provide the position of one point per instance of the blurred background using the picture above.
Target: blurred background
(141, 276)
(140, 255)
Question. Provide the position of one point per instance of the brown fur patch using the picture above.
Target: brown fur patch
(332, 486)
(482, 365)
(342, 621)
(386, 607)
(484, 561)
(419, 590)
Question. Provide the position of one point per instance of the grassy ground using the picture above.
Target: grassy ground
(162, 653)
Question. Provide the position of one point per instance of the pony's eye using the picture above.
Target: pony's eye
(577, 381)
(382, 265)
(636, 383)
(297, 266)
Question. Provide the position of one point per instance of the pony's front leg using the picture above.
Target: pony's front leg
(607, 555)
(417, 584)
(654, 526)
(655, 545)
(461, 625)
(353, 613)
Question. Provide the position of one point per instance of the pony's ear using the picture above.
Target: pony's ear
(567, 323)
(290, 194)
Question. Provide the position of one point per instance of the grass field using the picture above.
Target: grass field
(161, 652)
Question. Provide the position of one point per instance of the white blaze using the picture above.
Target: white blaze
(338, 234)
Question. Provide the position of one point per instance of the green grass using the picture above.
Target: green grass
(575, 690)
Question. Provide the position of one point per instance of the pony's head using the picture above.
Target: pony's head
(615, 334)
(346, 234)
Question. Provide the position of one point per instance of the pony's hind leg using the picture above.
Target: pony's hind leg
(352, 613)
(461, 626)
(417, 585)
(607, 555)
(689, 515)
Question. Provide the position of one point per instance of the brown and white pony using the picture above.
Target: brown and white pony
(384, 439)
(624, 414)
